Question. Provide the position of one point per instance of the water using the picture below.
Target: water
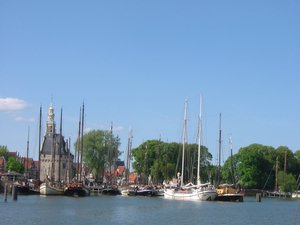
(37, 210)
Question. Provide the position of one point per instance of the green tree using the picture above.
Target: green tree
(254, 165)
(14, 165)
(292, 163)
(286, 183)
(4, 152)
(229, 173)
(100, 150)
(163, 160)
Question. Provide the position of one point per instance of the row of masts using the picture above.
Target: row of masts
(184, 139)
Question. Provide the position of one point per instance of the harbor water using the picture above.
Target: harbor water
(38, 210)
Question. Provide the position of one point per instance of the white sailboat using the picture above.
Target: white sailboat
(48, 188)
(204, 192)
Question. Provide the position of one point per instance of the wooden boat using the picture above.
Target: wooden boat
(48, 188)
(76, 189)
(227, 192)
(29, 187)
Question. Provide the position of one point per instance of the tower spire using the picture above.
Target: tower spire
(50, 120)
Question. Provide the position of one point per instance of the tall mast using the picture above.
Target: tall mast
(40, 135)
(220, 146)
(27, 153)
(128, 155)
(69, 149)
(110, 148)
(199, 141)
(276, 176)
(81, 142)
(60, 144)
(231, 162)
(183, 142)
(284, 170)
(78, 146)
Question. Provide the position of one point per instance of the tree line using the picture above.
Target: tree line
(252, 167)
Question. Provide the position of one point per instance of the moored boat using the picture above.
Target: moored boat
(110, 190)
(203, 192)
(48, 188)
(227, 192)
(142, 191)
(76, 189)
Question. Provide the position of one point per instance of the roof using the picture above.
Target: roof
(52, 141)
(120, 170)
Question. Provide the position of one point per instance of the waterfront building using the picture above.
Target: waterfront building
(56, 161)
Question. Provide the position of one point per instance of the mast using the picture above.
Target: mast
(27, 153)
(199, 142)
(183, 143)
(110, 149)
(68, 171)
(231, 163)
(128, 155)
(40, 135)
(81, 142)
(60, 145)
(276, 176)
(284, 170)
(52, 158)
(78, 146)
(220, 143)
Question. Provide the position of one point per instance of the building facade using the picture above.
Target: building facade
(56, 161)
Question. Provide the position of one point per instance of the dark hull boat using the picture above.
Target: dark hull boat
(111, 190)
(144, 191)
(76, 189)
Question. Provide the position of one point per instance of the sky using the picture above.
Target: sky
(134, 63)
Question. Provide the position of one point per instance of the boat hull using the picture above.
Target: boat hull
(77, 189)
(47, 189)
(230, 197)
(193, 194)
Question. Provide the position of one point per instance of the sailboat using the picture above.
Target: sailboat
(204, 192)
(51, 186)
(227, 192)
(77, 187)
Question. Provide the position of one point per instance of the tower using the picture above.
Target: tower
(50, 121)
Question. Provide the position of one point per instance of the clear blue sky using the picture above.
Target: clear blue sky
(134, 63)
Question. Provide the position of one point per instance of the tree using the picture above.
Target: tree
(162, 161)
(287, 183)
(254, 165)
(14, 165)
(100, 149)
(229, 173)
(4, 152)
